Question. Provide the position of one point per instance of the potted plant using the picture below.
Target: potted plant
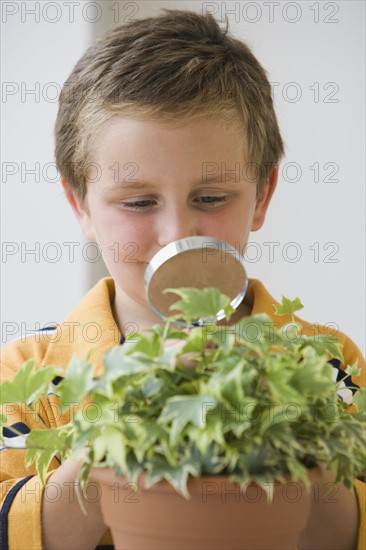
(211, 443)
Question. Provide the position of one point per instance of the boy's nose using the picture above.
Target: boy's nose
(177, 225)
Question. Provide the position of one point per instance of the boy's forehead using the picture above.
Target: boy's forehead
(136, 153)
(207, 125)
(206, 135)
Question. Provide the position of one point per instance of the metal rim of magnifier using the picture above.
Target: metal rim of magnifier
(184, 245)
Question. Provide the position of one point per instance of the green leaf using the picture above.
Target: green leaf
(255, 332)
(43, 445)
(176, 475)
(281, 389)
(152, 386)
(313, 374)
(146, 436)
(120, 361)
(76, 384)
(359, 400)
(292, 332)
(333, 346)
(184, 409)
(167, 332)
(148, 345)
(200, 304)
(353, 370)
(212, 432)
(194, 342)
(231, 384)
(28, 385)
(288, 307)
(43, 461)
(324, 344)
(111, 443)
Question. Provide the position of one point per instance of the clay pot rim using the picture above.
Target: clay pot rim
(194, 484)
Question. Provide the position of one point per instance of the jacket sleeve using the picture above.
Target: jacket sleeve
(21, 490)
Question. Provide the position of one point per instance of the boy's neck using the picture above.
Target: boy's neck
(131, 316)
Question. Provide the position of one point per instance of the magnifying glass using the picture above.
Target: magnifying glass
(198, 262)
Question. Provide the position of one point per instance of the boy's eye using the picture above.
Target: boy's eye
(207, 201)
(138, 205)
(211, 200)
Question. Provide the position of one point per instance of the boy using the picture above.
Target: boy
(141, 116)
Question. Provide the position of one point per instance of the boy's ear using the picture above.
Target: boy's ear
(264, 199)
(80, 210)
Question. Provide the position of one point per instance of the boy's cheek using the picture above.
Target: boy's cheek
(127, 254)
(123, 245)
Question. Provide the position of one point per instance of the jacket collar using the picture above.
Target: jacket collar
(89, 330)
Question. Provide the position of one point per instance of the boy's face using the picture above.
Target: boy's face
(157, 184)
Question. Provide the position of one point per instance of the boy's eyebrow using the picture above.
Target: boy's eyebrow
(139, 184)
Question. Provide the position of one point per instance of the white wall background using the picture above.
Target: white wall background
(315, 230)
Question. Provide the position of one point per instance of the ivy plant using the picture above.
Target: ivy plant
(249, 401)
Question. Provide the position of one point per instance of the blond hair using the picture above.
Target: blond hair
(173, 68)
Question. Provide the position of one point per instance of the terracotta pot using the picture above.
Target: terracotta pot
(219, 514)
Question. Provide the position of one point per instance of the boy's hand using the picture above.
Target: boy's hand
(64, 524)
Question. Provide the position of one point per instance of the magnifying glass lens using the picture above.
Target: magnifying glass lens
(195, 262)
